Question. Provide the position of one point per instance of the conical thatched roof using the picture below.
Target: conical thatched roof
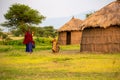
(72, 25)
(105, 17)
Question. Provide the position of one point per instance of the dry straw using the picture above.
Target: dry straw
(101, 30)
(73, 24)
(105, 17)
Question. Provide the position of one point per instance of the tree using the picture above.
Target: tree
(49, 31)
(22, 15)
(3, 36)
(0, 32)
(40, 32)
(17, 32)
(87, 15)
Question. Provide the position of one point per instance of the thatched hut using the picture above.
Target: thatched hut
(101, 30)
(70, 33)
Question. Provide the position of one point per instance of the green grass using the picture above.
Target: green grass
(68, 64)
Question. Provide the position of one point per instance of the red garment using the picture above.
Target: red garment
(28, 38)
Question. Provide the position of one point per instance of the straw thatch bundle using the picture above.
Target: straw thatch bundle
(101, 30)
(105, 17)
(70, 33)
(72, 25)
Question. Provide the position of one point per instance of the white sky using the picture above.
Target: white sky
(56, 8)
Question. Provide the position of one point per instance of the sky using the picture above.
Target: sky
(55, 8)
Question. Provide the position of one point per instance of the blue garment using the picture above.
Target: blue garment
(29, 47)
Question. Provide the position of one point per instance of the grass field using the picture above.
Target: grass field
(68, 64)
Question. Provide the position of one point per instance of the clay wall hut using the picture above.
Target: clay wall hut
(101, 30)
(69, 33)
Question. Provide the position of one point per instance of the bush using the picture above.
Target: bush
(11, 42)
(5, 49)
(43, 40)
(38, 41)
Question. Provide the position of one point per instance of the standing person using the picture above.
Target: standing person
(28, 41)
(55, 46)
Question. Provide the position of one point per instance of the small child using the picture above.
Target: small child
(55, 46)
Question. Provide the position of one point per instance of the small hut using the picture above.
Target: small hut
(101, 30)
(70, 33)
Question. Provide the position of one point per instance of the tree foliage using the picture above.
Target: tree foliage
(19, 15)
(3, 36)
(47, 31)
(87, 15)
(0, 31)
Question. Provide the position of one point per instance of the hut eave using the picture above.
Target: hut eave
(105, 17)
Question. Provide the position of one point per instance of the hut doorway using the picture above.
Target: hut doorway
(68, 40)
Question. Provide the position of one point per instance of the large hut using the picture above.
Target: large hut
(101, 30)
(70, 33)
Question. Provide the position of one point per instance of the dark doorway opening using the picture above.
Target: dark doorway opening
(68, 40)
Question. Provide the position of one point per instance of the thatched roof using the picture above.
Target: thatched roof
(71, 25)
(105, 17)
